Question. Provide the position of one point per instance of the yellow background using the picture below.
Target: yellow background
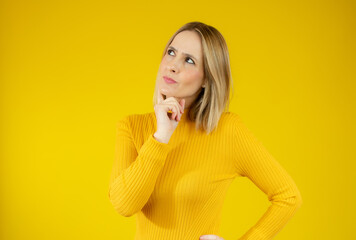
(71, 69)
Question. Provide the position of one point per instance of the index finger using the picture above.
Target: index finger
(160, 96)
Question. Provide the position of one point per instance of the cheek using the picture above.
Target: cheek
(163, 63)
(193, 77)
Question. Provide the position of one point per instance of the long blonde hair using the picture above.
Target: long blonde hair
(213, 100)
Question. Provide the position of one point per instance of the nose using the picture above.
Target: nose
(172, 67)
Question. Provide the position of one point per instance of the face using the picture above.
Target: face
(186, 70)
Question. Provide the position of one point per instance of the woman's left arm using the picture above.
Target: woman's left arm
(255, 162)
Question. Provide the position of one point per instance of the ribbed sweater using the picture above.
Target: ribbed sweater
(177, 189)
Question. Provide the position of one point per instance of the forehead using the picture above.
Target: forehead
(188, 42)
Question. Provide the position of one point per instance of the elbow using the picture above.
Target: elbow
(120, 207)
(125, 212)
(299, 200)
(295, 201)
(292, 200)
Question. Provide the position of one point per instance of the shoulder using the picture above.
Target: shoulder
(137, 119)
(230, 115)
(233, 122)
(230, 118)
(140, 125)
(227, 123)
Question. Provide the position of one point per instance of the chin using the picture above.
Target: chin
(166, 92)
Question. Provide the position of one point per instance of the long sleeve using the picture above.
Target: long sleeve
(256, 163)
(134, 174)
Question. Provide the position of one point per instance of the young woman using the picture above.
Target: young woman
(173, 166)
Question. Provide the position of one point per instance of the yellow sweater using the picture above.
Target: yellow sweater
(177, 189)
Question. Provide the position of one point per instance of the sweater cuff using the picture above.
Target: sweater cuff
(155, 150)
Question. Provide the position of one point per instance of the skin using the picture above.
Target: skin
(188, 72)
(210, 237)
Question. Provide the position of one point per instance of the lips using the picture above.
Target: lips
(169, 80)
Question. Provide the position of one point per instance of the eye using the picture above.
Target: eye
(169, 50)
(192, 60)
(186, 58)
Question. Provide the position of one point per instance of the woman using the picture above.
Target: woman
(173, 166)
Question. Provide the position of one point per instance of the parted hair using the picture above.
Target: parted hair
(214, 98)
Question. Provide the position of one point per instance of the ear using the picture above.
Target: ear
(205, 83)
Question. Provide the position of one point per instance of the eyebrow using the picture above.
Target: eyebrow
(186, 54)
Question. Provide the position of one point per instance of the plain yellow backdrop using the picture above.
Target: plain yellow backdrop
(70, 70)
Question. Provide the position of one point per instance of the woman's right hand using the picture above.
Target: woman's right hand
(167, 122)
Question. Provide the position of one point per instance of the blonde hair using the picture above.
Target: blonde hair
(213, 100)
